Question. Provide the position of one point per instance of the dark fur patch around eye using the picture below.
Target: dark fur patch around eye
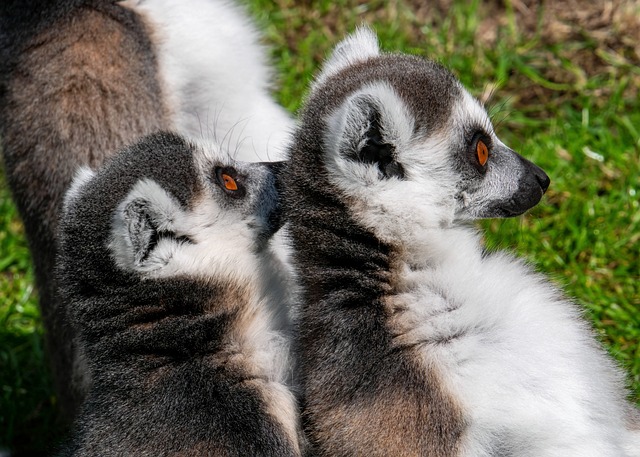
(222, 174)
(472, 150)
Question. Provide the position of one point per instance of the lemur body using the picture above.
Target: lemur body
(414, 341)
(170, 282)
(79, 79)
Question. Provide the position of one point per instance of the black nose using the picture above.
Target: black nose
(542, 178)
(276, 215)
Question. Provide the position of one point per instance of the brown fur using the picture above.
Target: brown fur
(396, 422)
(409, 414)
(80, 88)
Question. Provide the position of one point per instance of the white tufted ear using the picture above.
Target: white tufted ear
(357, 47)
(372, 126)
(83, 175)
(144, 219)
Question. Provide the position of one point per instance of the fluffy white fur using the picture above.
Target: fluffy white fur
(525, 365)
(215, 76)
(516, 354)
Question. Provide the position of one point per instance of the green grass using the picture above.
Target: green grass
(26, 397)
(569, 105)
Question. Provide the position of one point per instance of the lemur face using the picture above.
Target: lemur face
(406, 144)
(185, 212)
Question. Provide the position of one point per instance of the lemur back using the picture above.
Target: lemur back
(79, 79)
(165, 266)
(413, 340)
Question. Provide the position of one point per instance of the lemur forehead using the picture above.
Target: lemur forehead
(208, 154)
(428, 90)
(469, 113)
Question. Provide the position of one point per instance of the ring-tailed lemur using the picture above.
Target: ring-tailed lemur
(165, 266)
(413, 340)
(79, 79)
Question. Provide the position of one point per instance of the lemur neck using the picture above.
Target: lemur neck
(178, 318)
(430, 247)
(335, 254)
(338, 255)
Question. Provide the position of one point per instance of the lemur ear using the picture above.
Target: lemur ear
(141, 220)
(83, 176)
(357, 47)
(141, 228)
(367, 138)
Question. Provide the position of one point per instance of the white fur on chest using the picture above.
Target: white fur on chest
(514, 353)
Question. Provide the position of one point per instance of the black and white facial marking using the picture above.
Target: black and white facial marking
(411, 147)
(497, 181)
(235, 214)
(187, 210)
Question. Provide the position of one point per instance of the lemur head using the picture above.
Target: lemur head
(165, 207)
(404, 145)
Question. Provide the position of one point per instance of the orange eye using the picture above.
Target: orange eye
(229, 182)
(483, 152)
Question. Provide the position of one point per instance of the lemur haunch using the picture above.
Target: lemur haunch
(79, 79)
(165, 267)
(413, 340)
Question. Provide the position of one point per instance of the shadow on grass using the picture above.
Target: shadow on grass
(28, 420)
(27, 402)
